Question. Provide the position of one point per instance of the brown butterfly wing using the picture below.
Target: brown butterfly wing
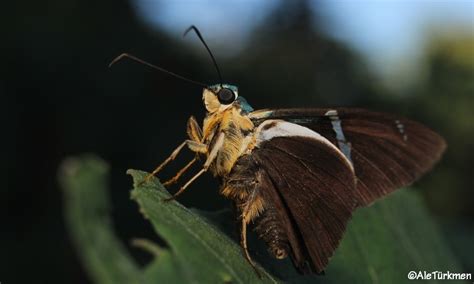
(314, 187)
(388, 152)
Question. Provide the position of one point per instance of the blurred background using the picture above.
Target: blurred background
(58, 98)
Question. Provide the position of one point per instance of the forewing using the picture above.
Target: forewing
(387, 151)
(316, 187)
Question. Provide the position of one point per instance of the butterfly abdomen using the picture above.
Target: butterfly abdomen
(270, 229)
(245, 185)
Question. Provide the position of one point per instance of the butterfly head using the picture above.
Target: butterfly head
(218, 98)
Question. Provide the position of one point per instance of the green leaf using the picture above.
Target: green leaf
(383, 242)
(386, 241)
(203, 253)
(84, 181)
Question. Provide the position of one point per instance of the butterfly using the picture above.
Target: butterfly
(297, 175)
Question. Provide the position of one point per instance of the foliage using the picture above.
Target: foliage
(383, 242)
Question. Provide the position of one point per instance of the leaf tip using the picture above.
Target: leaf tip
(72, 168)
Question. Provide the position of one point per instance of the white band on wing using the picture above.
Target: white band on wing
(279, 128)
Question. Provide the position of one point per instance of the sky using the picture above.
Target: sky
(385, 32)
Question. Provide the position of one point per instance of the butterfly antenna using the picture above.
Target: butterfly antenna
(126, 55)
(207, 48)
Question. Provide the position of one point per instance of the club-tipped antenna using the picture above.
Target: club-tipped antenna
(123, 55)
(207, 48)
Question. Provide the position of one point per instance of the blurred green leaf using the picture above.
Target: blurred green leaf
(383, 244)
(386, 241)
(87, 212)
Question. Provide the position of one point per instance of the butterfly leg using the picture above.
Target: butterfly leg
(243, 241)
(183, 188)
(250, 210)
(194, 130)
(212, 156)
(192, 145)
(180, 173)
(165, 162)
